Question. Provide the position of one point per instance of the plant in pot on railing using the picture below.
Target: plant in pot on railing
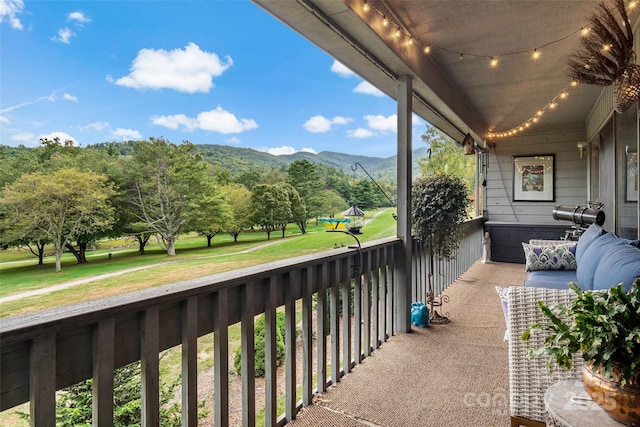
(438, 210)
(605, 327)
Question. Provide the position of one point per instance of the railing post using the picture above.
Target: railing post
(42, 380)
(357, 312)
(291, 282)
(345, 284)
(221, 356)
(334, 318)
(270, 398)
(190, 362)
(103, 366)
(375, 300)
(149, 368)
(248, 369)
(321, 310)
(367, 305)
(307, 336)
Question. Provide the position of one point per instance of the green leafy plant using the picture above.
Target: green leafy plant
(603, 325)
(438, 211)
(259, 345)
(73, 406)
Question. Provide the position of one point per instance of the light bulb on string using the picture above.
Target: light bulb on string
(493, 62)
(535, 55)
(365, 7)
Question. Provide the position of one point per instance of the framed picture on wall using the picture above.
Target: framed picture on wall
(631, 172)
(533, 178)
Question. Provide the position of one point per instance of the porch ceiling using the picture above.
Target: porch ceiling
(458, 95)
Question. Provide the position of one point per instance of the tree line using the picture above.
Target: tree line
(69, 197)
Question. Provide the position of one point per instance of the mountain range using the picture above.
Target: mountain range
(238, 159)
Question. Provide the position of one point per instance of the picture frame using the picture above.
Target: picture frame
(534, 178)
(631, 175)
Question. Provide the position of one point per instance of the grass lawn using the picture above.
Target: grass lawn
(20, 272)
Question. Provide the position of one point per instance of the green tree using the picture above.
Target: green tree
(447, 158)
(213, 214)
(332, 203)
(304, 177)
(60, 207)
(365, 195)
(239, 199)
(270, 207)
(168, 188)
(299, 213)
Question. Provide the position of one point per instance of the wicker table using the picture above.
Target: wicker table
(569, 405)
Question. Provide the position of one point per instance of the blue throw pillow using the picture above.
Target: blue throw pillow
(591, 257)
(590, 234)
(620, 264)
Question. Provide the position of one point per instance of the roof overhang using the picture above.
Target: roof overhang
(454, 88)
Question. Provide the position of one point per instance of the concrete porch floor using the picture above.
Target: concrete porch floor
(446, 375)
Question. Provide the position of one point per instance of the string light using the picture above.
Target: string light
(493, 61)
(535, 55)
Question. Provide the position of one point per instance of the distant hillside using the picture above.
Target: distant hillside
(239, 160)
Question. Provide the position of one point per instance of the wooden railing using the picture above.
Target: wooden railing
(44, 352)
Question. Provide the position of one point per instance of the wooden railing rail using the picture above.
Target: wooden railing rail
(47, 351)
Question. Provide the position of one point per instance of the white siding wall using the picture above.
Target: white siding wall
(570, 176)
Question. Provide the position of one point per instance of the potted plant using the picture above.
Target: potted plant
(438, 210)
(605, 327)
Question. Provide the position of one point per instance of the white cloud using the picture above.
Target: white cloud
(218, 120)
(95, 126)
(64, 36)
(175, 121)
(341, 70)
(68, 97)
(284, 150)
(78, 17)
(189, 70)
(279, 151)
(24, 137)
(222, 121)
(321, 124)
(126, 134)
(360, 133)
(62, 136)
(233, 140)
(9, 9)
(3, 119)
(381, 123)
(367, 88)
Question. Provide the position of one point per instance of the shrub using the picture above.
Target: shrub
(259, 345)
(439, 207)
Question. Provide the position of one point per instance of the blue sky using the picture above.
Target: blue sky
(210, 72)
